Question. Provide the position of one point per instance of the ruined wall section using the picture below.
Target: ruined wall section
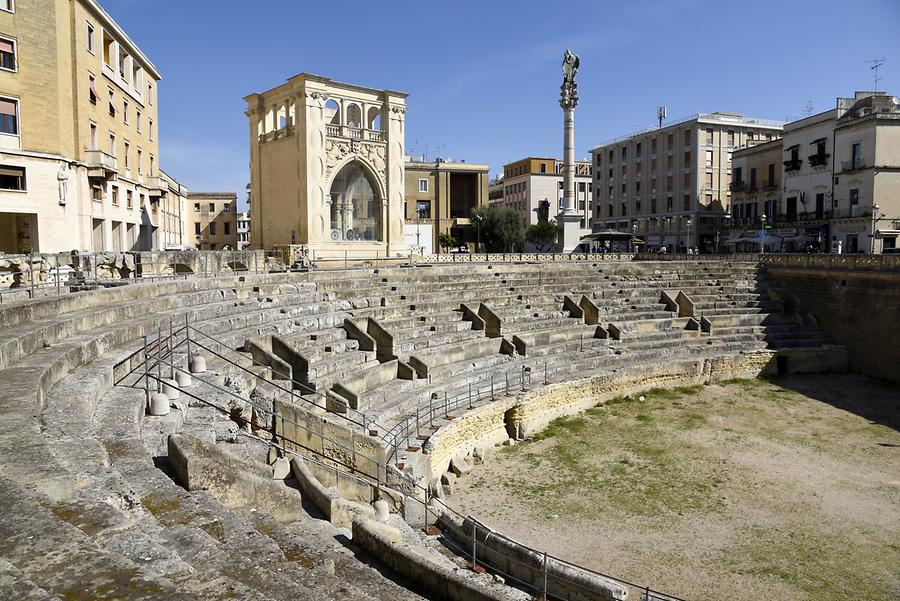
(857, 308)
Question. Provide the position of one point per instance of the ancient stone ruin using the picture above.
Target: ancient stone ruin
(298, 435)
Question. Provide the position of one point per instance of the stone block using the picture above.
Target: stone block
(235, 482)
(459, 466)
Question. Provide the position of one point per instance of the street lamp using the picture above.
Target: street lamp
(762, 237)
(634, 236)
(419, 213)
(478, 219)
(727, 218)
(689, 232)
(875, 208)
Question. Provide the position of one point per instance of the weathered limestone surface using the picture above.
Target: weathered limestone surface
(84, 505)
(860, 309)
(234, 482)
(440, 581)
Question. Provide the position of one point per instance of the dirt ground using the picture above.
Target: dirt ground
(784, 490)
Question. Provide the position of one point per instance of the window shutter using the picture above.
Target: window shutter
(12, 171)
(6, 46)
(7, 107)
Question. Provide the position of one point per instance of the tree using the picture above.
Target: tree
(447, 241)
(501, 228)
(543, 235)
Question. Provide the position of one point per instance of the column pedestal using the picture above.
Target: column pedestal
(569, 230)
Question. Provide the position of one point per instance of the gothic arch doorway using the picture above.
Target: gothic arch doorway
(355, 205)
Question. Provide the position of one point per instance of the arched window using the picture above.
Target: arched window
(332, 112)
(374, 119)
(355, 205)
(354, 116)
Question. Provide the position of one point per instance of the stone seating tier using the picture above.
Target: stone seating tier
(76, 452)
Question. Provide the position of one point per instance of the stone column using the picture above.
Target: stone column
(569, 154)
(568, 219)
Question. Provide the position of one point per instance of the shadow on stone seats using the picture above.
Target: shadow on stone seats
(385, 572)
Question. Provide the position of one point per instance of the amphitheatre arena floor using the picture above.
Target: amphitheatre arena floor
(748, 490)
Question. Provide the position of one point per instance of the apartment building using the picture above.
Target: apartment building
(79, 148)
(495, 190)
(442, 194)
(243, 230)
(866, 173)
(213, 220)
(834, 167)
(671, 185)
(530, 181)
(756, 193)
(171, 214)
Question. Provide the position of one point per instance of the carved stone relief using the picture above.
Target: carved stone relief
(337, 150)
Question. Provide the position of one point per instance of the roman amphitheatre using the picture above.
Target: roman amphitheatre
(494, 427)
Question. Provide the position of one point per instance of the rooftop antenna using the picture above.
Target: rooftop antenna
(875, 64)
(809, 108)
(661, 114)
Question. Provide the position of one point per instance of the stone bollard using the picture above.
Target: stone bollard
(197, 364)
(183, 379)
(281, 469)
(170, 388)
(382, 510)
(159, 404)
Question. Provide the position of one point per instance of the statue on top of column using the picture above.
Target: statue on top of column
(569, 89)
(570, 66)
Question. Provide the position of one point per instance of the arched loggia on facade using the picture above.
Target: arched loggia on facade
(332, 112)
(356, 205)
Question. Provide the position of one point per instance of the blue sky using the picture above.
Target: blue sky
(483, 77)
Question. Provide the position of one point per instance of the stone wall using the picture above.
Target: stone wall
(856, 301)
(17, 272)
(306, 430)
(531, 411)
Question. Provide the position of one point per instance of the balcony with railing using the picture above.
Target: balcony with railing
(354, 133)
(157, 186)
(793, 164)
(101, 164)
(820, 159)
(278, 134)
(737, 186)
(853, 165)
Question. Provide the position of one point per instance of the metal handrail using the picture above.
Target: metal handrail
(364, 423)
(484, 388)
(164, 348)
(168, 347)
